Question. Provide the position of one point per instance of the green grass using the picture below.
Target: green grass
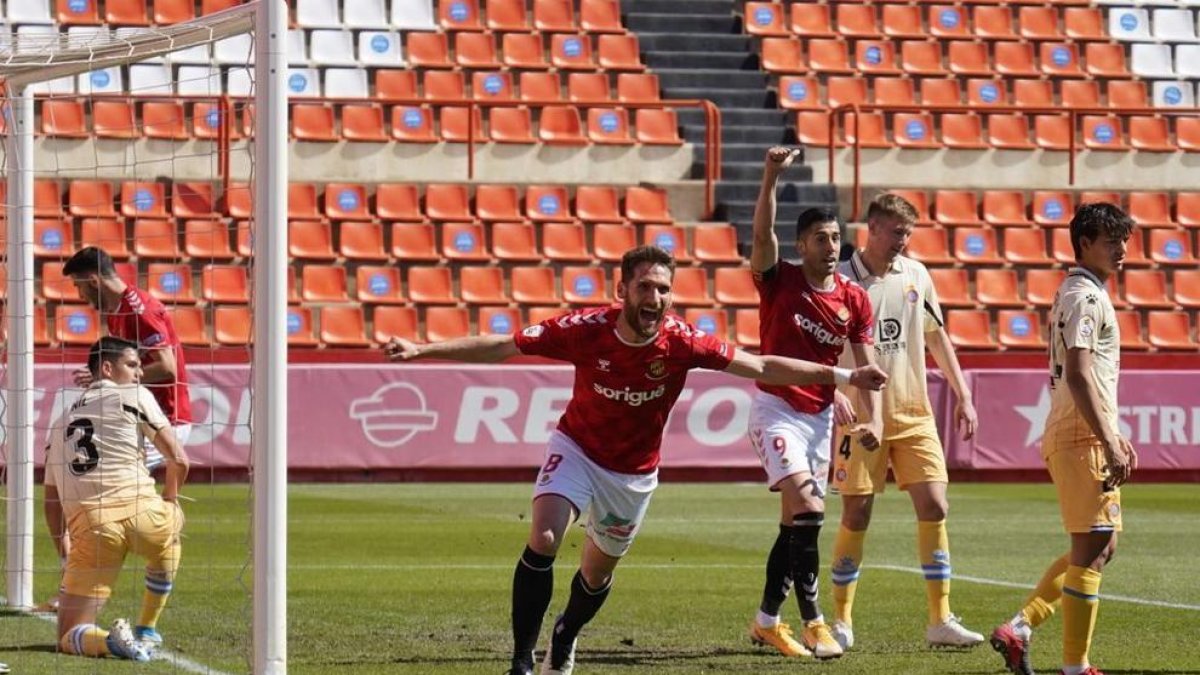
(415, 579)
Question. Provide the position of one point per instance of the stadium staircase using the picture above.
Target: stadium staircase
(699, 50)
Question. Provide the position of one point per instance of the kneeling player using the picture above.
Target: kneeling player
(630, 364)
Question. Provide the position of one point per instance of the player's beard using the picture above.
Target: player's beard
(639, 319)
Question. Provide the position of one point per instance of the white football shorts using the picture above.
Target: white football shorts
(154, 458)
(615, 502)
(790, 442)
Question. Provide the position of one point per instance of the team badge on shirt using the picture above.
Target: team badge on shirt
(656, 369)
(843, 314)
(533, 331)
(1086, 327)
(911, 295)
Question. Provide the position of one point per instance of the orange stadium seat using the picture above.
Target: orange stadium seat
(716, 244)
(766, 19)
(1005, 208)
(75, 325)
(560, 125)
(1015, 59)
(1151, 209)
(1025, 246)
(1186, 291)
(170, 283)
(894, 90)
(565, 242)
(506, 15)
(444, 84)
(361, 240)
(391, 321)
(1187, 209)
(1052, 132)
(428, 50)
(464, 242)
(302, 201)
(1127, 94)
(107, 233)
(976, 246)
(448, 202)
(482, 285)
(997, 287)
(64, 118)
(1104, 59)
(324, 283)
(523, 51)
(690, 287)
(190, 326)
(600, 16)
(993, 22)
(956, 207)
(1187, 133)
(413, 124)
(746, 327)
(398, 202)
(809, 20)
(875, 57)
(430, 286)
(52, 238)
(212, 6)
(919, 201)
(141, 199)
(207, 119)
(459, 15)
(540, 86)
(782, 55)
(78, 13)
(1130, 324)
(164, 119)
(55, 286)
(949, 21)
(1038, 23)
(238, 201)
(1060, 246)
(669, 238)
(1171, 247)
(363, 123)
(534, 286)
(313, 123)
(395, 83)
(839, 91)
(941, 92)
(1033, 93)
(547, 203)
(475, 50)
(346, 201)
(588, 88)
(986, 91)
(1171, 331)
(711, 321)
(1146, 289)
(90, 198)
(867, 129)
(1080, 93)
(1020, 329)
(657, 126)
(225, 284)
(734, 286)
(515, 242)
(47, 197)
(962, 131)
(1060, 59)
(207, 240)
(609, 126)
(902, 21)
(1084, 23)
(114, 119)
(1150, 134)
(969, 58)
(585, 286)
(952, 285)
(1135, 251)
(812, 127)
(1103, 132)
(647, 205)
(928, 245)
(492, 85)
(378, 284)
(173, 11)
(827, 56)
(300, 328)
(638, 88)
(499, 320)
(497, 203)
(1041, 285)
(310, 240)
(1052, 208)
(970, 329)
(921, 57)
(510, 125)
(1009, 132)
(1100, 196)
(155, 238)
(571, 52)
(343, 326)
(619, 52)
(857, 21)
(446, 323)
(612, 240)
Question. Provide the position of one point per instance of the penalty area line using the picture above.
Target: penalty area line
(178, 661)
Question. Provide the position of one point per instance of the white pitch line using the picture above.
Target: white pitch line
(180, 662)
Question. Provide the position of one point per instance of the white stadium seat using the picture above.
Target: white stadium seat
(1174, 25)
(198, 81)
(62, 85)
(331, 48)
(1169, 94)
(303, 82)
(236, 49)
(102, 81)
(127, 32)
(239, 81)
(297, 47)
(29, 11)
(150, 78)
(88, 36)
(1129, 23)
(35, 38)
(380, 48)
(1187, 61)
(346, 83)
(365, 14)
(413, 14)
(198, 55)
(318, 13)
(1151, 60)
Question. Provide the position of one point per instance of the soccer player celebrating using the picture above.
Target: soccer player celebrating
(908, 320)
(135, 315)
(99, 491)
(631, 362)
(1087, 457)
(807, 311)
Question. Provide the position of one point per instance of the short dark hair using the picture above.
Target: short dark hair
(645, 254)
(107, 348)
(1096, 220)
(816, 215)
(90, 260)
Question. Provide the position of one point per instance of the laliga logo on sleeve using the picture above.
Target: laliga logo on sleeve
(393, 414)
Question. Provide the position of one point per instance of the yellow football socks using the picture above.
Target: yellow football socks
(86, 639)
(934, 548)
(847, 556)
(1080, 600)
(158, 589)
(1045, 598)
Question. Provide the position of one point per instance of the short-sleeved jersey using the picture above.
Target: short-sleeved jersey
(143, 319)
(623, 391)
(1082, 318)
(95, 456)
(802, 322)
(906, 307)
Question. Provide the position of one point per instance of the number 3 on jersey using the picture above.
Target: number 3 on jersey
(79, 439)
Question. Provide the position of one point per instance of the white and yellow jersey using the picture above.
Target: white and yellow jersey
(1082, 318)
(95, 455)
(906, 307)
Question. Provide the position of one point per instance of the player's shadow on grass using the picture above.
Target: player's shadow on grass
(41, 647)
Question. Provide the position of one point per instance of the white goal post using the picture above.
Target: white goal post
(32, 59)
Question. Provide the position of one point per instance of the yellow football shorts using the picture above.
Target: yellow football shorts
(98, 551)
(1078, 473)
(915, 457)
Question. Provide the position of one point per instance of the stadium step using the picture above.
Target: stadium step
(721, 7)
(660, 61)
(752, 171)
(684, 22)
(695, 42)
(763, 135)
(725, 98)
(737, 117)
(725, 79)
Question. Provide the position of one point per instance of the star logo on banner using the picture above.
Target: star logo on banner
(1036, 415)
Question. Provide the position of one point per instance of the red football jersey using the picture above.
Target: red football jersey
(801, 322)
(623, 392)
(143, 319)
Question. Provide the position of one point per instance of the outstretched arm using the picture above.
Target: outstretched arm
(481, 349)
(764, 251)
(781, 370)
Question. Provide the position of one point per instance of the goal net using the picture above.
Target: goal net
(143, 142)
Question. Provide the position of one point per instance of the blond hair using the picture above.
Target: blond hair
(888, 205)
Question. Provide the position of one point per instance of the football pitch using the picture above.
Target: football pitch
(415, 578)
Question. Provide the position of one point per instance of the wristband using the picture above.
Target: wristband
(841, 376)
